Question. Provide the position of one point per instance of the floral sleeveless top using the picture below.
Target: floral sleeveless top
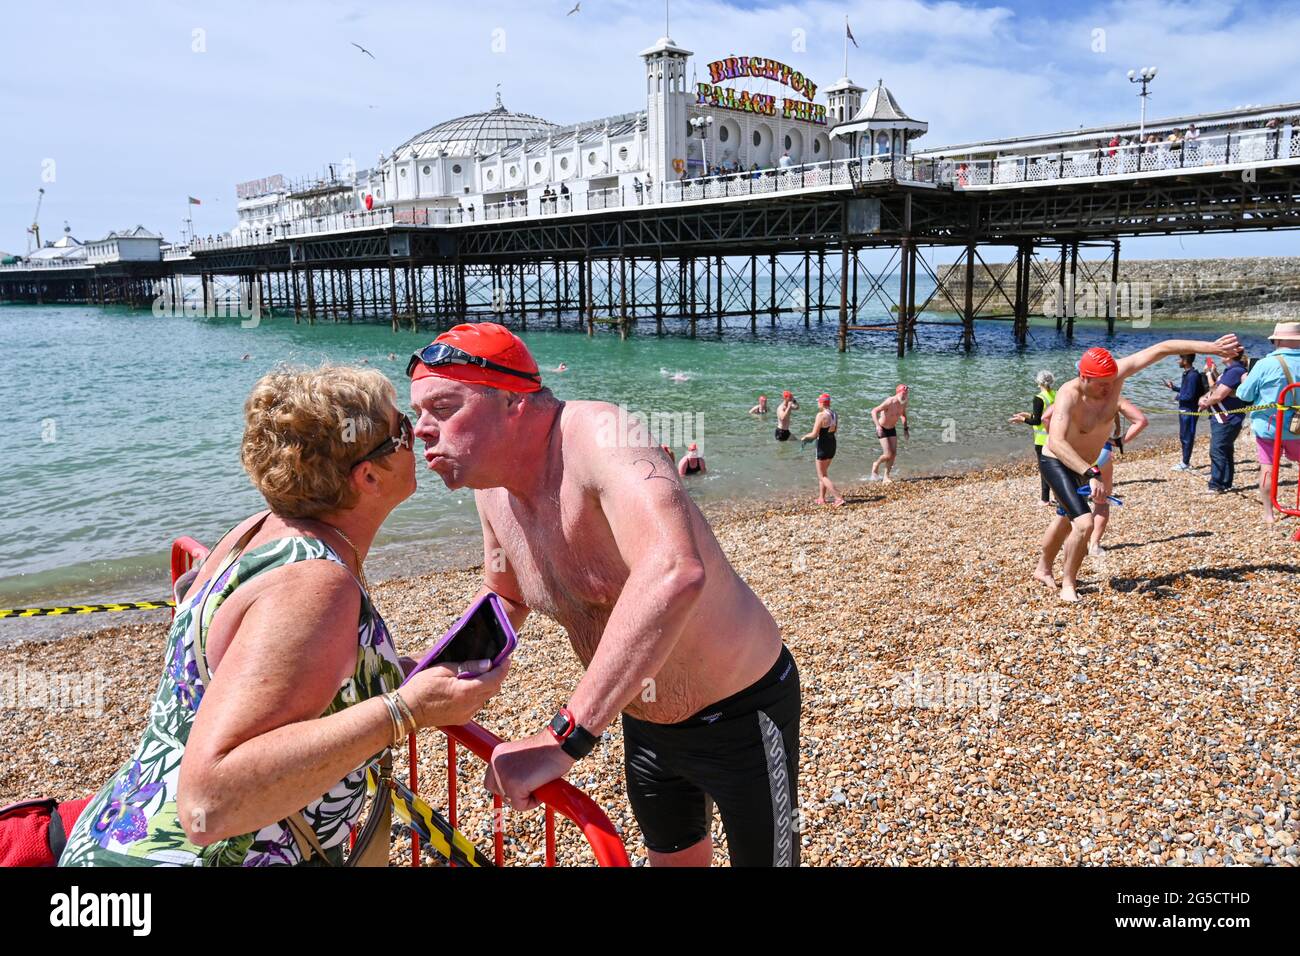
(132, 820)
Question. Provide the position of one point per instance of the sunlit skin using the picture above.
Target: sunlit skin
(887, 415)
(1081, 422)
(278, 650)
(825, 486)
(601, 536)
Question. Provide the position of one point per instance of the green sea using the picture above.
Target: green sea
(121, 430)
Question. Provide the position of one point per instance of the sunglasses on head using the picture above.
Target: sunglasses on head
(440, 353)
(405, 438)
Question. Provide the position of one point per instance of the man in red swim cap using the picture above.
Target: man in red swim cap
(886, 417)
(585, 520)
(788, 404)
(1081, 422)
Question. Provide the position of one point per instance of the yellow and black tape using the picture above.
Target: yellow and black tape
(1271, 406)
(86, 608)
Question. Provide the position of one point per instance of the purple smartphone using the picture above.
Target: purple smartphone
(482, 633)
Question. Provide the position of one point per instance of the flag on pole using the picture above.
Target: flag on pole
(195, 202)
(849, 32)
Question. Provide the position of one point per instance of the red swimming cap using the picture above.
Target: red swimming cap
(1098, 363)
(901, 388)
(493, 342)
(823, 397)
(787, 395)
(693, 447)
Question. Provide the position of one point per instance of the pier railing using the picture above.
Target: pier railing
(30, 264)
(1228, 149)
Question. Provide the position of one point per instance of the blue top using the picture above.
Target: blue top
(1264, 384)
(1232, 375)
(1192, 388)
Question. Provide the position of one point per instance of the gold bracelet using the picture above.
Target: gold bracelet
(394, 720)
(409, 720)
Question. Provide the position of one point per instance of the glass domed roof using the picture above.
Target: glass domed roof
(484, 132)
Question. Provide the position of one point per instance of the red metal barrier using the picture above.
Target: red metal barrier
(186, 552)
(1278, 434)
(557, 796)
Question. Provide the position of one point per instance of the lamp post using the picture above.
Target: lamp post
(1144, 77)
(702, 124)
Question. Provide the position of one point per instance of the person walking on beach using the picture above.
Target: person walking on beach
(824, 427)
(761, 407)
(692, 462)
(595, 531)
(788, 404)
(1084, 409)
(1189, 390)
(1262, 386)
(1106, 462)
(886, 417)
(1045, 381)
(1225, 426)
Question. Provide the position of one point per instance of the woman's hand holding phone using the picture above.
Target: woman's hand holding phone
(438, 697)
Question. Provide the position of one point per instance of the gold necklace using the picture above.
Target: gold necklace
(356, 553)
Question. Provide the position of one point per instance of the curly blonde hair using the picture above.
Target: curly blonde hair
(303, 430)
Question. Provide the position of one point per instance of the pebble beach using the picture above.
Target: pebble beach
(954, 710)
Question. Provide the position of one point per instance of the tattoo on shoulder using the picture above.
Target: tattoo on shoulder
(652, 469)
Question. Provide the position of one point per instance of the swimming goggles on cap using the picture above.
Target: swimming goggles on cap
(440, 353)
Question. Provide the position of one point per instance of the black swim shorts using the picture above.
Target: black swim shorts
(1065, 485)
(782, 434)
(741, 754)
(886, 432)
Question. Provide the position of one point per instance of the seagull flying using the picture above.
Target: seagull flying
(364, 50)
(576, 7)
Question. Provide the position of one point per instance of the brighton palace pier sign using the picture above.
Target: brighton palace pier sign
(741, 67)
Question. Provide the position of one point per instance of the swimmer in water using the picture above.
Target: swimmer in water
(692, 462)
(761, 407)
(886, 416)
(824, 427)
(681, 377)
(788, 404)
(560, 368)
(245, 357)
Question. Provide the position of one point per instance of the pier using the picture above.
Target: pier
(773, 246)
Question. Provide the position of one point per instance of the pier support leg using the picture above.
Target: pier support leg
(807, 289)
(1072, 290)
(903, 263)
(844, 298)
(753, 294)
(968, 313)
(771, 305)
(659, 295)
(1111, 297)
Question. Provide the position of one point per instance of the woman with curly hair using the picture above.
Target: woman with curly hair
(280, 683)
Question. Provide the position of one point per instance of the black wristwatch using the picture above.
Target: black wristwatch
(575, 740)
(1093, 472)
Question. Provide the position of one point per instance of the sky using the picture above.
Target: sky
(121, 111)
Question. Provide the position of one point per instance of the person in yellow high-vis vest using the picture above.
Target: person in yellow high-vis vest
(1042, 402)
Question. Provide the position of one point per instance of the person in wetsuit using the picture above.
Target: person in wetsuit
(825, 425)
(1046, 383)
(692, 462)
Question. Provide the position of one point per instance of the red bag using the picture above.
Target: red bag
(34, 832)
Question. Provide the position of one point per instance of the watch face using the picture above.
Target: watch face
(562, 725)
